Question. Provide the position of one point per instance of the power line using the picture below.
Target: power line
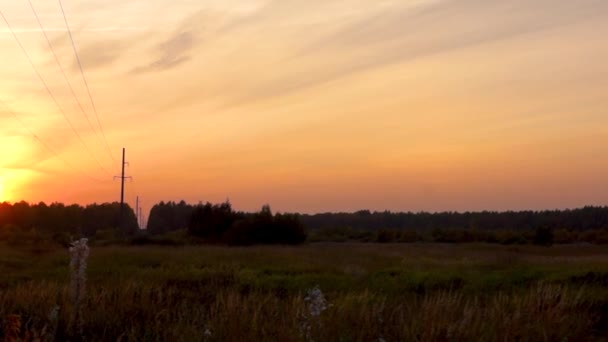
(45, 144)
(50, 92)
(86, 83)
(65, 77)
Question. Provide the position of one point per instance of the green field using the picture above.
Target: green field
(391, 292)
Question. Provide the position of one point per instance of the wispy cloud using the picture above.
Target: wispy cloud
(402, 33)
(172, 52)
(63, 29)
(100, 54)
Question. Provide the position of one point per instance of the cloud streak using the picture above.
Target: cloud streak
(401, 34)
(100, 54)
(63, 29)
(172, 53)
(180, 46)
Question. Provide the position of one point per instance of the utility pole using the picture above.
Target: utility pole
(141, 218)
(137, 211)
(122, 191)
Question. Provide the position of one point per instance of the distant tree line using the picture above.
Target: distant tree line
(588, 224)
(545, 236)
(22, 220)
(587, 218)
(219, 223)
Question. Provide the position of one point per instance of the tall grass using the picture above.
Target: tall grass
(262, 294)
(135, 311)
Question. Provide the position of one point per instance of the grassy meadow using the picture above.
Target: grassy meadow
(371, 292)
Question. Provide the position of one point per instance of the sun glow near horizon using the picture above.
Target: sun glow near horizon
(3, 198)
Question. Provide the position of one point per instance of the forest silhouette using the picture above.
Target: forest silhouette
(221, 224)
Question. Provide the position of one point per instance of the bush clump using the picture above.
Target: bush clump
(220, 224)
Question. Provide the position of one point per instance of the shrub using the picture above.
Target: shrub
(409, 236)
(9, 231)
(218, 223)
(543, 236)
(509, 237)
(385, 236)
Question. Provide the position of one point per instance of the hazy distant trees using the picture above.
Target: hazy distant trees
(219, 223)
(588, 218)
(74, 220)
(588, 224)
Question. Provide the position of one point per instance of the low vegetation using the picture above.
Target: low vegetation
(543, 236)
(320, 292)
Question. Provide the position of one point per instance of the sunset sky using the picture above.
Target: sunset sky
(316, 105)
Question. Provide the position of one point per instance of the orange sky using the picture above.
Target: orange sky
(318, 105)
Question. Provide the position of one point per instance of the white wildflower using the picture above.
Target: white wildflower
(54, 314)
(54, 322)
(207, 333)
(316, 302)
(79, 252)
